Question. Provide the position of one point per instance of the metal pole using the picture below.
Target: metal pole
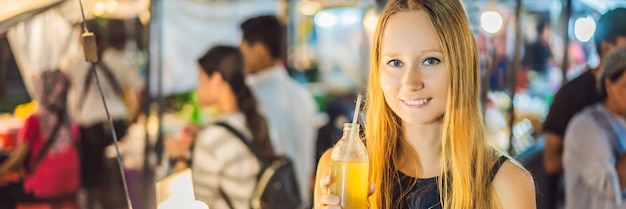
(567, 13)
(154, 69)
(515, 65)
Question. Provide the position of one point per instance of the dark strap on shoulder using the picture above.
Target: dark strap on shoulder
(106, 71)
(51, 139)
(496, 166)
(240, 136)
(117, 88)
(223, 194)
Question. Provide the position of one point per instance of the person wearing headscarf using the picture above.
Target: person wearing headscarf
(45, 152)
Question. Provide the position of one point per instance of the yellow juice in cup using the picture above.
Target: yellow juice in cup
(350, 183)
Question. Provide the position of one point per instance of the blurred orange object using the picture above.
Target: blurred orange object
(11, 177)
(7, 140)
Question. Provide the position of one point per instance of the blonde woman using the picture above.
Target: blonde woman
(424, 128)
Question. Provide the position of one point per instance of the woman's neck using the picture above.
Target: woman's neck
(425, 142)
(228, 103)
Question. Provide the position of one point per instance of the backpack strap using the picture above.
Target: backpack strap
(243, 138)
(106, 71)
(223, 194)
(51, 139)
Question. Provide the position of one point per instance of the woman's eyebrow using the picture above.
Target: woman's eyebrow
(396, 54)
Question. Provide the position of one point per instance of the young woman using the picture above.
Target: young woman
(424, 129)
(224, 170)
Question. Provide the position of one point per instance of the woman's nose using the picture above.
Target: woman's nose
(413, 79)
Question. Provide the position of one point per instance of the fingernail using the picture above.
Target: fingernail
(327, 178)
(334, 200)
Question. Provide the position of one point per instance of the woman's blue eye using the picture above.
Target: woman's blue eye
(394, 63)
(431, 61)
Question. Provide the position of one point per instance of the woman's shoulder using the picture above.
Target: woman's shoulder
(221, 132)
(514, 186)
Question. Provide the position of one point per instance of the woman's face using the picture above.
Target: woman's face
(413, 74)
(208, 88)
(616, 94)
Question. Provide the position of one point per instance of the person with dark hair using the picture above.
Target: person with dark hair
(539, 55)
(288, 106)
(594, 156)
(580, 92)
(224, 170)
(575, 96)
(121, 85)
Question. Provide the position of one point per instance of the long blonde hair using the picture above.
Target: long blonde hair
(466, 159)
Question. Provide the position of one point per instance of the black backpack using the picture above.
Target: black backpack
(276, 187)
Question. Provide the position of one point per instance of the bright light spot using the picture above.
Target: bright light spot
(370, 20)
(99, 9)
(584, 28)
(112, 6)
(350, 17)
(491, 21)
(325, 19)
(309, 7)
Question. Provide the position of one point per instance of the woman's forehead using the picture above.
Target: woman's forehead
(409, 32)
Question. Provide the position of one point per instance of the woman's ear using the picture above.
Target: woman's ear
(216, 77)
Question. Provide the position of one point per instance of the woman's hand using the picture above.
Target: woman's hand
(329, 201)
(177, 148)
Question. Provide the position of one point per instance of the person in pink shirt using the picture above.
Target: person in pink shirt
(45, 151)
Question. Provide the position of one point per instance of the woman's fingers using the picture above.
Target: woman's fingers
(325, 183)
(330, 207)
(329, 200)
(372, 189)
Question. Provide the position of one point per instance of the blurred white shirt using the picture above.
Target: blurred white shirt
(291, 113)
(125, 72)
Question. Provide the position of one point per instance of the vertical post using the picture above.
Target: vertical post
(567, 13)
(4, 55)
(515, 65)
(154, 69)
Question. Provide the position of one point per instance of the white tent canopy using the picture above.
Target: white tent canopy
(13, 12)
(191, 27)
(42, 33)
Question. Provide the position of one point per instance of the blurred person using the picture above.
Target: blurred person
(575, 96)
(288, 106)
(120, 84)
(580, 92)
(423, 127)
(224, 169)
(46, 151)
(538, 54)
(594, 156)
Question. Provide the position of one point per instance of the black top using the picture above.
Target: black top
(425, 194)
(537, 56)
(569, 100)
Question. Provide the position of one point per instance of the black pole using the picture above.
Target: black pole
(567, 13)
(154, 69)
(515, 66)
